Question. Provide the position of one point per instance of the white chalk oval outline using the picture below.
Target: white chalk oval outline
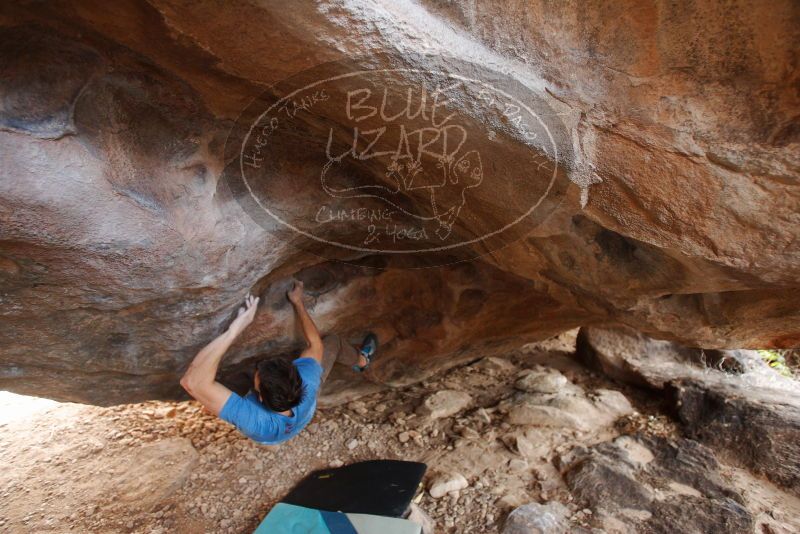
(416, 251)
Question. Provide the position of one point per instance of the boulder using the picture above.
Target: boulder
(542, 382)
(529, 446)
(445, 483)
(534, 518)
(656, 485)
(757, 428)
(649, 179)
(633, 358)
(444, 403)
(562, 404)
(730, 400)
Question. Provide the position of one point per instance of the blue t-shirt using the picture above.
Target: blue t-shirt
(261, 424)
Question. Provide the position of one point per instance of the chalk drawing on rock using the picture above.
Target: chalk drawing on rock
(452, 162)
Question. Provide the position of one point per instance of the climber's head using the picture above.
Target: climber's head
(278, 384)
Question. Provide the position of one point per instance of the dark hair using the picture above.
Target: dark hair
(279, 384)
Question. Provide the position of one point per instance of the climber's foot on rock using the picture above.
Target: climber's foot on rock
(366, 352)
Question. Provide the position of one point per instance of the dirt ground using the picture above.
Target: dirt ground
(169, 467)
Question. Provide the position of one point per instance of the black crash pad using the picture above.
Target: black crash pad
(379, 487)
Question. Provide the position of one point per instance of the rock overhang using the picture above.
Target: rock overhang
(124, 251)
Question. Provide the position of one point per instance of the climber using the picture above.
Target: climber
(284, 394)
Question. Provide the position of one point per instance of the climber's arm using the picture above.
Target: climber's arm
(199, 379)
(310, 333)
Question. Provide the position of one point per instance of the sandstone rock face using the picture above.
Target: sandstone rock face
(673, 204)
(750, 412)
(656, 485)
(633, 358)
(759, 430)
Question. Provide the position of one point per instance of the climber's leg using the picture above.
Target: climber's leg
(336, 351)
(366, 352)
(331, 349)
(348, 355)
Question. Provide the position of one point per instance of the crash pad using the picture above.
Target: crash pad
(375, 487)
(290, 519)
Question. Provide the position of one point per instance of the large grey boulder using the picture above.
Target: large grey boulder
(730, 400)
(656, 485)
